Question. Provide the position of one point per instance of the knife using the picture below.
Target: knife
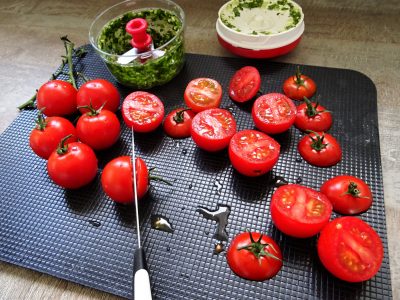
(141, 282)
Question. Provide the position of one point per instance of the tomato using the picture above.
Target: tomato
(56, 98)
(299, 86)
(299, 211)
(320, 149)
(312, 116)
(254, 256)
(72, 166)
(142, 111)
(212, 129)
(178, 122)
(244, 84)
(349, 195)
(99, 129)
(117, 179)
(273, 113)
(202, 94)
(253, 153)
(48, 133)
(350, 249)
(96, 92)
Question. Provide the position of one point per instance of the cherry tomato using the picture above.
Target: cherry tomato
(48, 133)
(273, 113)
(202, 94)
(212, 129)
(117, 179)
(299, 86)
(244, 84)
(96, 92)
(254, 256)
(56, 98)
(349, 195)
(72, 166)
(312, 116)
(178, 122)
(99, 129)
(142, 111)
(299, 211)
(320, 149)
(350, 249)
(253, 153)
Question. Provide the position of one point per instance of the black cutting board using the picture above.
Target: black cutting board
(82, 236)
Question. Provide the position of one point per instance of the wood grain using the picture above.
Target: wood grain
(363, 35)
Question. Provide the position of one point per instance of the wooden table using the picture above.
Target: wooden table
(362, 35)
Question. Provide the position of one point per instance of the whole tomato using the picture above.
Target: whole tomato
(99, 129)
(178, 122)
(98, 93)
(254, 256)
(56, 98)
(72, 166)
(48, 133)
(312, 116)
(299, 86)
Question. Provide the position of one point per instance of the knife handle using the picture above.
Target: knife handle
(141, 286)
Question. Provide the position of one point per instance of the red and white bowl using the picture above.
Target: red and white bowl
(259, 45)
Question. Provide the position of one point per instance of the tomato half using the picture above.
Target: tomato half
(350, 249)
(96, 92)
(299, 86)
(254, 256)
(56, 98)
(299, 211)
(203, 93)
(244, 84)
(253, 153)
(349, 195)
(320, 149)
(117, 179)
(212, 129)
(48, 133)
(142, 111)
(273, 113)
(178, 122)
(72, 166)
(312, 116)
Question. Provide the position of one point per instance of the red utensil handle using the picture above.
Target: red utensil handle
(141, 40)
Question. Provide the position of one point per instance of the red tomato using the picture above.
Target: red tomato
(96, 92)
(117, 179)
(212, 129)
(254, 256)
(350, 249)
(320, 149)
(48, 133)
(299, 211)
(56, 98)
(72, 166)
(299, 86)
(312, 116)
(273, 113)
(98, 129)
(349, 195)
(178, 122)
(202, 94)
(142, 111)
(253, 153)
(244, 84)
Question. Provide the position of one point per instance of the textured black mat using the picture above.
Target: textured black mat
(84, 237)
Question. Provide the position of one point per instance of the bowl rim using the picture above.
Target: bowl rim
(260, 35)
(98, 16)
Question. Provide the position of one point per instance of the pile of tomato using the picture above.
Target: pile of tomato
(347, 246)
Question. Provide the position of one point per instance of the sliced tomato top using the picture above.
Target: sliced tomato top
(142, 111)
(244, 84)
(202, 94)
(275, 108)
(214, 123)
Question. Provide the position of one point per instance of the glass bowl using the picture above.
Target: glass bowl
(166, 24)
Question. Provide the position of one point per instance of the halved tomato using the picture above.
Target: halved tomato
(244, 84)
(202, 94)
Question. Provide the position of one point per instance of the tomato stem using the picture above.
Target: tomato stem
(29, 104)
(69, 48)
(157, 178)
(354, 191)
(317, 142)
(257, 248)
(180, 116)
(92, 112)
(298, 80)
(311, 110)
(83, 76)
(62, 147)
(41, 121)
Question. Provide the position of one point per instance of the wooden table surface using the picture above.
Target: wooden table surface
(362, 35)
